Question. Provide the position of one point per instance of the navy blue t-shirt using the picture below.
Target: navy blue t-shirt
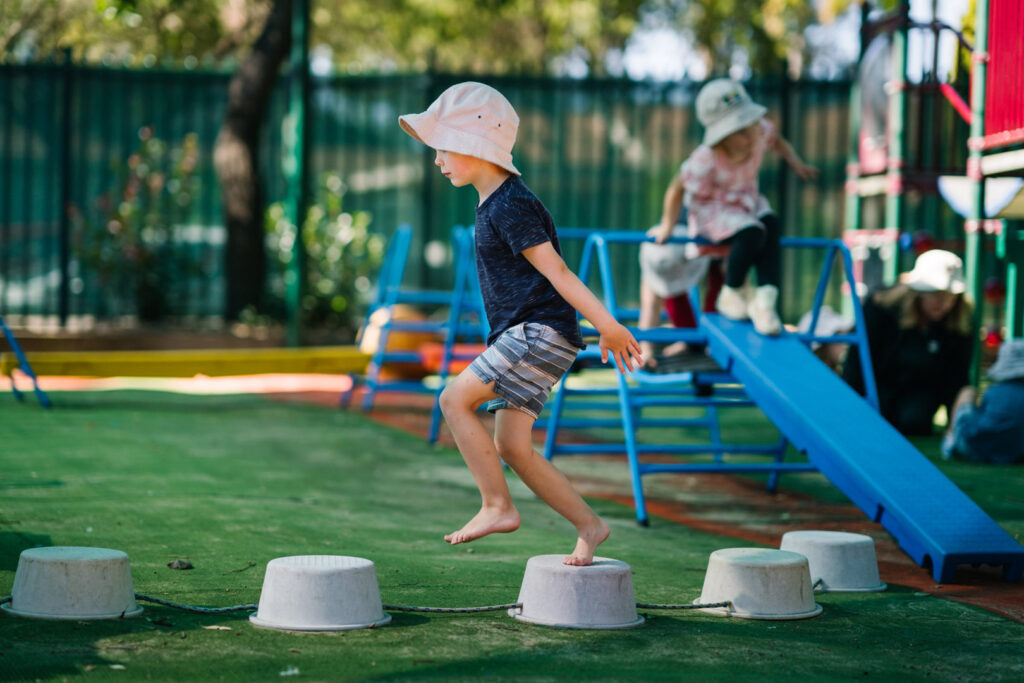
(509, 221)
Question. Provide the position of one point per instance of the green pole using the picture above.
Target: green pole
(295, 164)
(975, 237)
(897, 121)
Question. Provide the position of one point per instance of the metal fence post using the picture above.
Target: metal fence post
(67, 99)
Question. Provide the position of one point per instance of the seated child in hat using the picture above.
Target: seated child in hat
(668, 272)
(718, 185)
(830, 323)
(530, 299)
(992, 431)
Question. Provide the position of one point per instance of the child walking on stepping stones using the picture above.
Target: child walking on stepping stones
(531, 299)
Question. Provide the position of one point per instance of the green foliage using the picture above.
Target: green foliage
(138, 31)
(127, 239)
(483, 36)
(480, 36)
(341, 256)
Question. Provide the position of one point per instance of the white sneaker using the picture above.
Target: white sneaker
(732, 304)
(762, 310)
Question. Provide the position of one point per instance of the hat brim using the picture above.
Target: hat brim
(426, 129)
(734, 121)
(955, 287)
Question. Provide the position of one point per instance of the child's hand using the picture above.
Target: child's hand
(624, 349)
(966, 396)
(804, 171)
(661, 233)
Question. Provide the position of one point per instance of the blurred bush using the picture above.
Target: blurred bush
(342, 256)
(128, 240)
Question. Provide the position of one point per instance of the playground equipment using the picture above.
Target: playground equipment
(841, 433)
(462, 333)
(73, 583)
(706, 388)
(890, 150)
(320, 593)
(598, 596)
(759, 583)
(840, 562)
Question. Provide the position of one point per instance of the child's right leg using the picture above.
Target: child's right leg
(750, 247)
(459, 402)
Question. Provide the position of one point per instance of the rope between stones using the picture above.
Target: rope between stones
(397, 608)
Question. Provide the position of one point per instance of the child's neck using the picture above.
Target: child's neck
(734, 156)
(487, 182)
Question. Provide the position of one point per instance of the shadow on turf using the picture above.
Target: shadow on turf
(12, 543)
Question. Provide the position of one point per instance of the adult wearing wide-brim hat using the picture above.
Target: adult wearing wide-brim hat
(992, 431)
(920, 337)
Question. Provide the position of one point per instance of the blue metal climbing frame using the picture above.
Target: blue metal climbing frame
(709, 391)
(465, 320)
(24, 366)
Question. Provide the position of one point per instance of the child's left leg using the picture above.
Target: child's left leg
(650, 316)
(513, 438)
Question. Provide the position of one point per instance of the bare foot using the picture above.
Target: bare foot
(674, 349)
(647, 351)
(487, 521)
(587, 543)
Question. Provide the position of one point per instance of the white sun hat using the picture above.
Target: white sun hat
(724, 107)
(1010, 361)
(829, 323)
(673, 268)
(936, 270)
(468, 118)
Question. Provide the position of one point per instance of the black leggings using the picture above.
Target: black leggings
(755, 247)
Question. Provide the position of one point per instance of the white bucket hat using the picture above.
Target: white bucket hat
(468, 118)
(936, 270)
(1010, 361)
(724, 107)
(672, 269)
(829, 323)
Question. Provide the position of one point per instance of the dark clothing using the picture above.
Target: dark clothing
(757, 247)
(680, 311)
(509, 221)
(916, 370)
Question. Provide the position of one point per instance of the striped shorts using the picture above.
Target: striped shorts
(524, 363)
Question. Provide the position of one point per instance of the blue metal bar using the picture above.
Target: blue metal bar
(465, 298)
(24, 366)
(665, 449)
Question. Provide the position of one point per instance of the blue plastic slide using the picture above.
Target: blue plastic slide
(934, 522)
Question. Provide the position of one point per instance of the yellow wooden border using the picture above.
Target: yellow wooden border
(331, 360)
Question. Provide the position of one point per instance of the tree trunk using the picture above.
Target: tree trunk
(236, 158)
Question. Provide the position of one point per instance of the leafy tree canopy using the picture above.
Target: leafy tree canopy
(492, 36)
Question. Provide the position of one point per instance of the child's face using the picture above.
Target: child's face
(741, 143)
(460, 169)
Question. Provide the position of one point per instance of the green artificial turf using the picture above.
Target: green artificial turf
(230, 483)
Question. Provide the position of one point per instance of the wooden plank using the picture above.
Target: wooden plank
(334, 360)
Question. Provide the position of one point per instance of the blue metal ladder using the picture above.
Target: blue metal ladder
(24, 366)
(632, 395)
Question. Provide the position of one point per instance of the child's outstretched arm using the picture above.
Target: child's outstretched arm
(615, 338)
(793, 160)
(669, 211)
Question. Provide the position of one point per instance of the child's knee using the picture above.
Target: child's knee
(451, 399)
(514, 451)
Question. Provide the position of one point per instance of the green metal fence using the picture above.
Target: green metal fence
(599, 153)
